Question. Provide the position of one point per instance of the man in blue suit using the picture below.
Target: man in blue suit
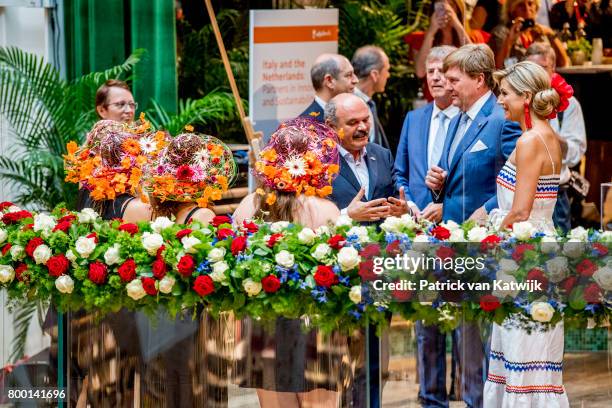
(331, 74)
(365, 190)
(479, 141)
(420, 147)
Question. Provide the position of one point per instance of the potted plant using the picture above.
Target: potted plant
(579, 51)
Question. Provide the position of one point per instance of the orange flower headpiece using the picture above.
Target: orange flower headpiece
(301, 157)
(192, 168)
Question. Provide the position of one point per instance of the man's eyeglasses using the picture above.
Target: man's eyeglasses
(122, 105)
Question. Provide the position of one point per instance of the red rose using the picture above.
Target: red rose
(366, 270)
(220, 219)
(325, 276)
(251, 227)
(586, 267)
(601, 250)
(224, 233)
(19, 272)
(593, 293)
(127, 270)
(32, 245)
(489, 303)
(67, 218)
(520, 250)
(129, 228)
(5, 204)
(97, 273)
(160, 250)
(94, 236)
(337, 241)
(57, 265)
(270, 284)
(6, 248)
(159, 268)
(274, 238)
(27, 227)
(203, 285)
(238, 245)
(63, 226)
(183, 233)
(184, 172)
(445, 253)
(537, 274)
(370, 251)
(148, 284)
(440, 233)
(402, 295)
(15, 217)
(186, 265)
(394, 248)
(489, 242)
(568, 284)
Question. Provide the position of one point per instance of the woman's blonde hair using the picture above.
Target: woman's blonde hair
(509, 7)
(528, 77)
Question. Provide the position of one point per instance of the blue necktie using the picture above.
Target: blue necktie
(438, 142)
(458, 137)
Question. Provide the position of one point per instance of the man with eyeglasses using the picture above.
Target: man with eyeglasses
(114, 101)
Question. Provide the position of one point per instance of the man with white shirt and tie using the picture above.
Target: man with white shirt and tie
(478, 143)
(371, 66)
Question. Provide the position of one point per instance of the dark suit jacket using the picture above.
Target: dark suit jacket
(314, 111)
(382, 178)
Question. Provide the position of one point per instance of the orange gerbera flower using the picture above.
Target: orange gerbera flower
(217, 151)
(131, 146)
(269, 155)
(324, 191)
(269, 171)
(333, 169)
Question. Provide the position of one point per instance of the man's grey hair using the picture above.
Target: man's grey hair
(366, 59)
(320, 69)
(544, 50)
(331, 109)
(439, 53)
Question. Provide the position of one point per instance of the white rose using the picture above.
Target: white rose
(549, 245)
(542, 312)
(323, 230)
(251, 287)
(504, 279)
(218, 271)
(451, 225)
(421, 243)
(321, 251)
(285, 259)
(3, 235)
(41, 254)
(266, 267)
(348, 258)
(355, 294)
(7, 273)
(306, 236)
(361, 233)
(111, 256)
(557, 268)
(64, 284)
(508, 266)
(152, 242)
(87, 216)
(408, 221)
(579, 233)
(216, 254)
(71, 256)
(43, 222)
(457, 235)
(344, 221)
(166, 284)
(189, 243)
(13, 208)
(161, 223)
(603, 277)
(85, 246)
(477, 234)
(523, 230)
(573, 248)
(17, 252)
(279, 226)
(391, 224)
(135, 289)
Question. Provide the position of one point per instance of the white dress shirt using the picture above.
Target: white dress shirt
(475, 108)
(434, 123)
(359, 168)
(574, 133)
(320, 101)
(367, 99)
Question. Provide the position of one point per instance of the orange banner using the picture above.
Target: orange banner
(295, 34)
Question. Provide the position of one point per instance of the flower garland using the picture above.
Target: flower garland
(265, 270)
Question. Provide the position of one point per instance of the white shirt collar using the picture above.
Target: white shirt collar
(345, 153)
(358, 92)
(320, 101)
(477, 106)
(451, 111)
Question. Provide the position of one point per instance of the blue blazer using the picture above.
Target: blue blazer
(380, 170)
(411, 158)
(314, 111)
(470, 182)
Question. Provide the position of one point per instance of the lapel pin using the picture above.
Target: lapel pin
(372, 158)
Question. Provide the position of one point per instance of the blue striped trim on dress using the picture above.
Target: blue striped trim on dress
(527, 365)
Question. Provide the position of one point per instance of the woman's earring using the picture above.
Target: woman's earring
(527, 115)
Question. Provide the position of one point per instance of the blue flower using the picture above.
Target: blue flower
(214, 241)
(389, 237)
(355, 314)
(204, 266)
(294, 276)
(336, 269)
(345, 280)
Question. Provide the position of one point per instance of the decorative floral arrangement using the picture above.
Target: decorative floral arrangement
(268, 270)
(301, 157)
(192, 167)
(565, 91)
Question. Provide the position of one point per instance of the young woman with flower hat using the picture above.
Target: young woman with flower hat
(288, 367)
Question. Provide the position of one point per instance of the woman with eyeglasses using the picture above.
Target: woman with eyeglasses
(114, 101)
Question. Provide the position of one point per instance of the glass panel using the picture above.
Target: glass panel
(606, 206)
